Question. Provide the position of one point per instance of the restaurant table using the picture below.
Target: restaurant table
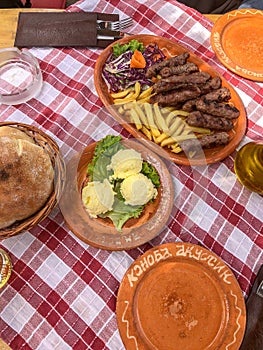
(8, 23)
(62, 292)
(9, 19)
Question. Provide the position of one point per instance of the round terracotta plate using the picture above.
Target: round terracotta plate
(237, 39)
(180, 296)
(101, 233)
(171, 48)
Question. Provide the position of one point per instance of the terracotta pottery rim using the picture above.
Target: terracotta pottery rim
(234, 27)
(180, 293)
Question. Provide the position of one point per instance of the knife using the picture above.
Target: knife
(106, 34)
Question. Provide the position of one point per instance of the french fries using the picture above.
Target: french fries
(151, 120)
(165, 126)
(132, 94)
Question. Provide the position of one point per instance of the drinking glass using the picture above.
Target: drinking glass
(248, 166)
(20, 76)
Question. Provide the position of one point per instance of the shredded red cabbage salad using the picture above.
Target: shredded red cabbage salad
(119, 76)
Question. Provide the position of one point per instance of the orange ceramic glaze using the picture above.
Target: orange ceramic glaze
(186, 299)
(237, 40)
(180, 296)
(244, 43)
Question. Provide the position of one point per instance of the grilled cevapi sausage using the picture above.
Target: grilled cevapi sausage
(220, 95)
(211, 85)
(204, 120)
(187, 68)
(174, 81)
(218, 109)
(173, 61)
(216, 94)
(206, 141)
(176, 97)
(183, 86)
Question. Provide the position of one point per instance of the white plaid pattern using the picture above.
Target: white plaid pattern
(62, 293)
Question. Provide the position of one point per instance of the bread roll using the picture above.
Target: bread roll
(26, 179)
(9, 131)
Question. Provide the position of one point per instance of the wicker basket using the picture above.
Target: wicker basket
(50, 146)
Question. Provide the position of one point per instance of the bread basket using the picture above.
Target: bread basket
(52, 149)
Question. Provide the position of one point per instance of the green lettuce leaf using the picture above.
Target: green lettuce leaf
(97, 171)
(104, 150)
(121, 212)
(133, 45)
(150, 171)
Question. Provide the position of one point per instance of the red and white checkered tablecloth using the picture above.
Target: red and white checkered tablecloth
(62, 292)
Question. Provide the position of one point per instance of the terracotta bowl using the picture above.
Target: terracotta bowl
(236, 38)
(100, 232)
(180, 293)
(171, 48)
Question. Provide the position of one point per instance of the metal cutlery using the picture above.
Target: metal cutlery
(112, 36)
(116, 25)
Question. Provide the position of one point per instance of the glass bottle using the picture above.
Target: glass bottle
(248, 166)
(5, 267)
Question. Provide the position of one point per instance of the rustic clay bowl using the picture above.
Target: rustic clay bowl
(236, 38)
(100, 232)
(180, 296)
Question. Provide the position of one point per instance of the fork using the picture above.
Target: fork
(115, 26)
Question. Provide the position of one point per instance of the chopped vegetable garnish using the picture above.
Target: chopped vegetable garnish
(118, 73)
(137, 60)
